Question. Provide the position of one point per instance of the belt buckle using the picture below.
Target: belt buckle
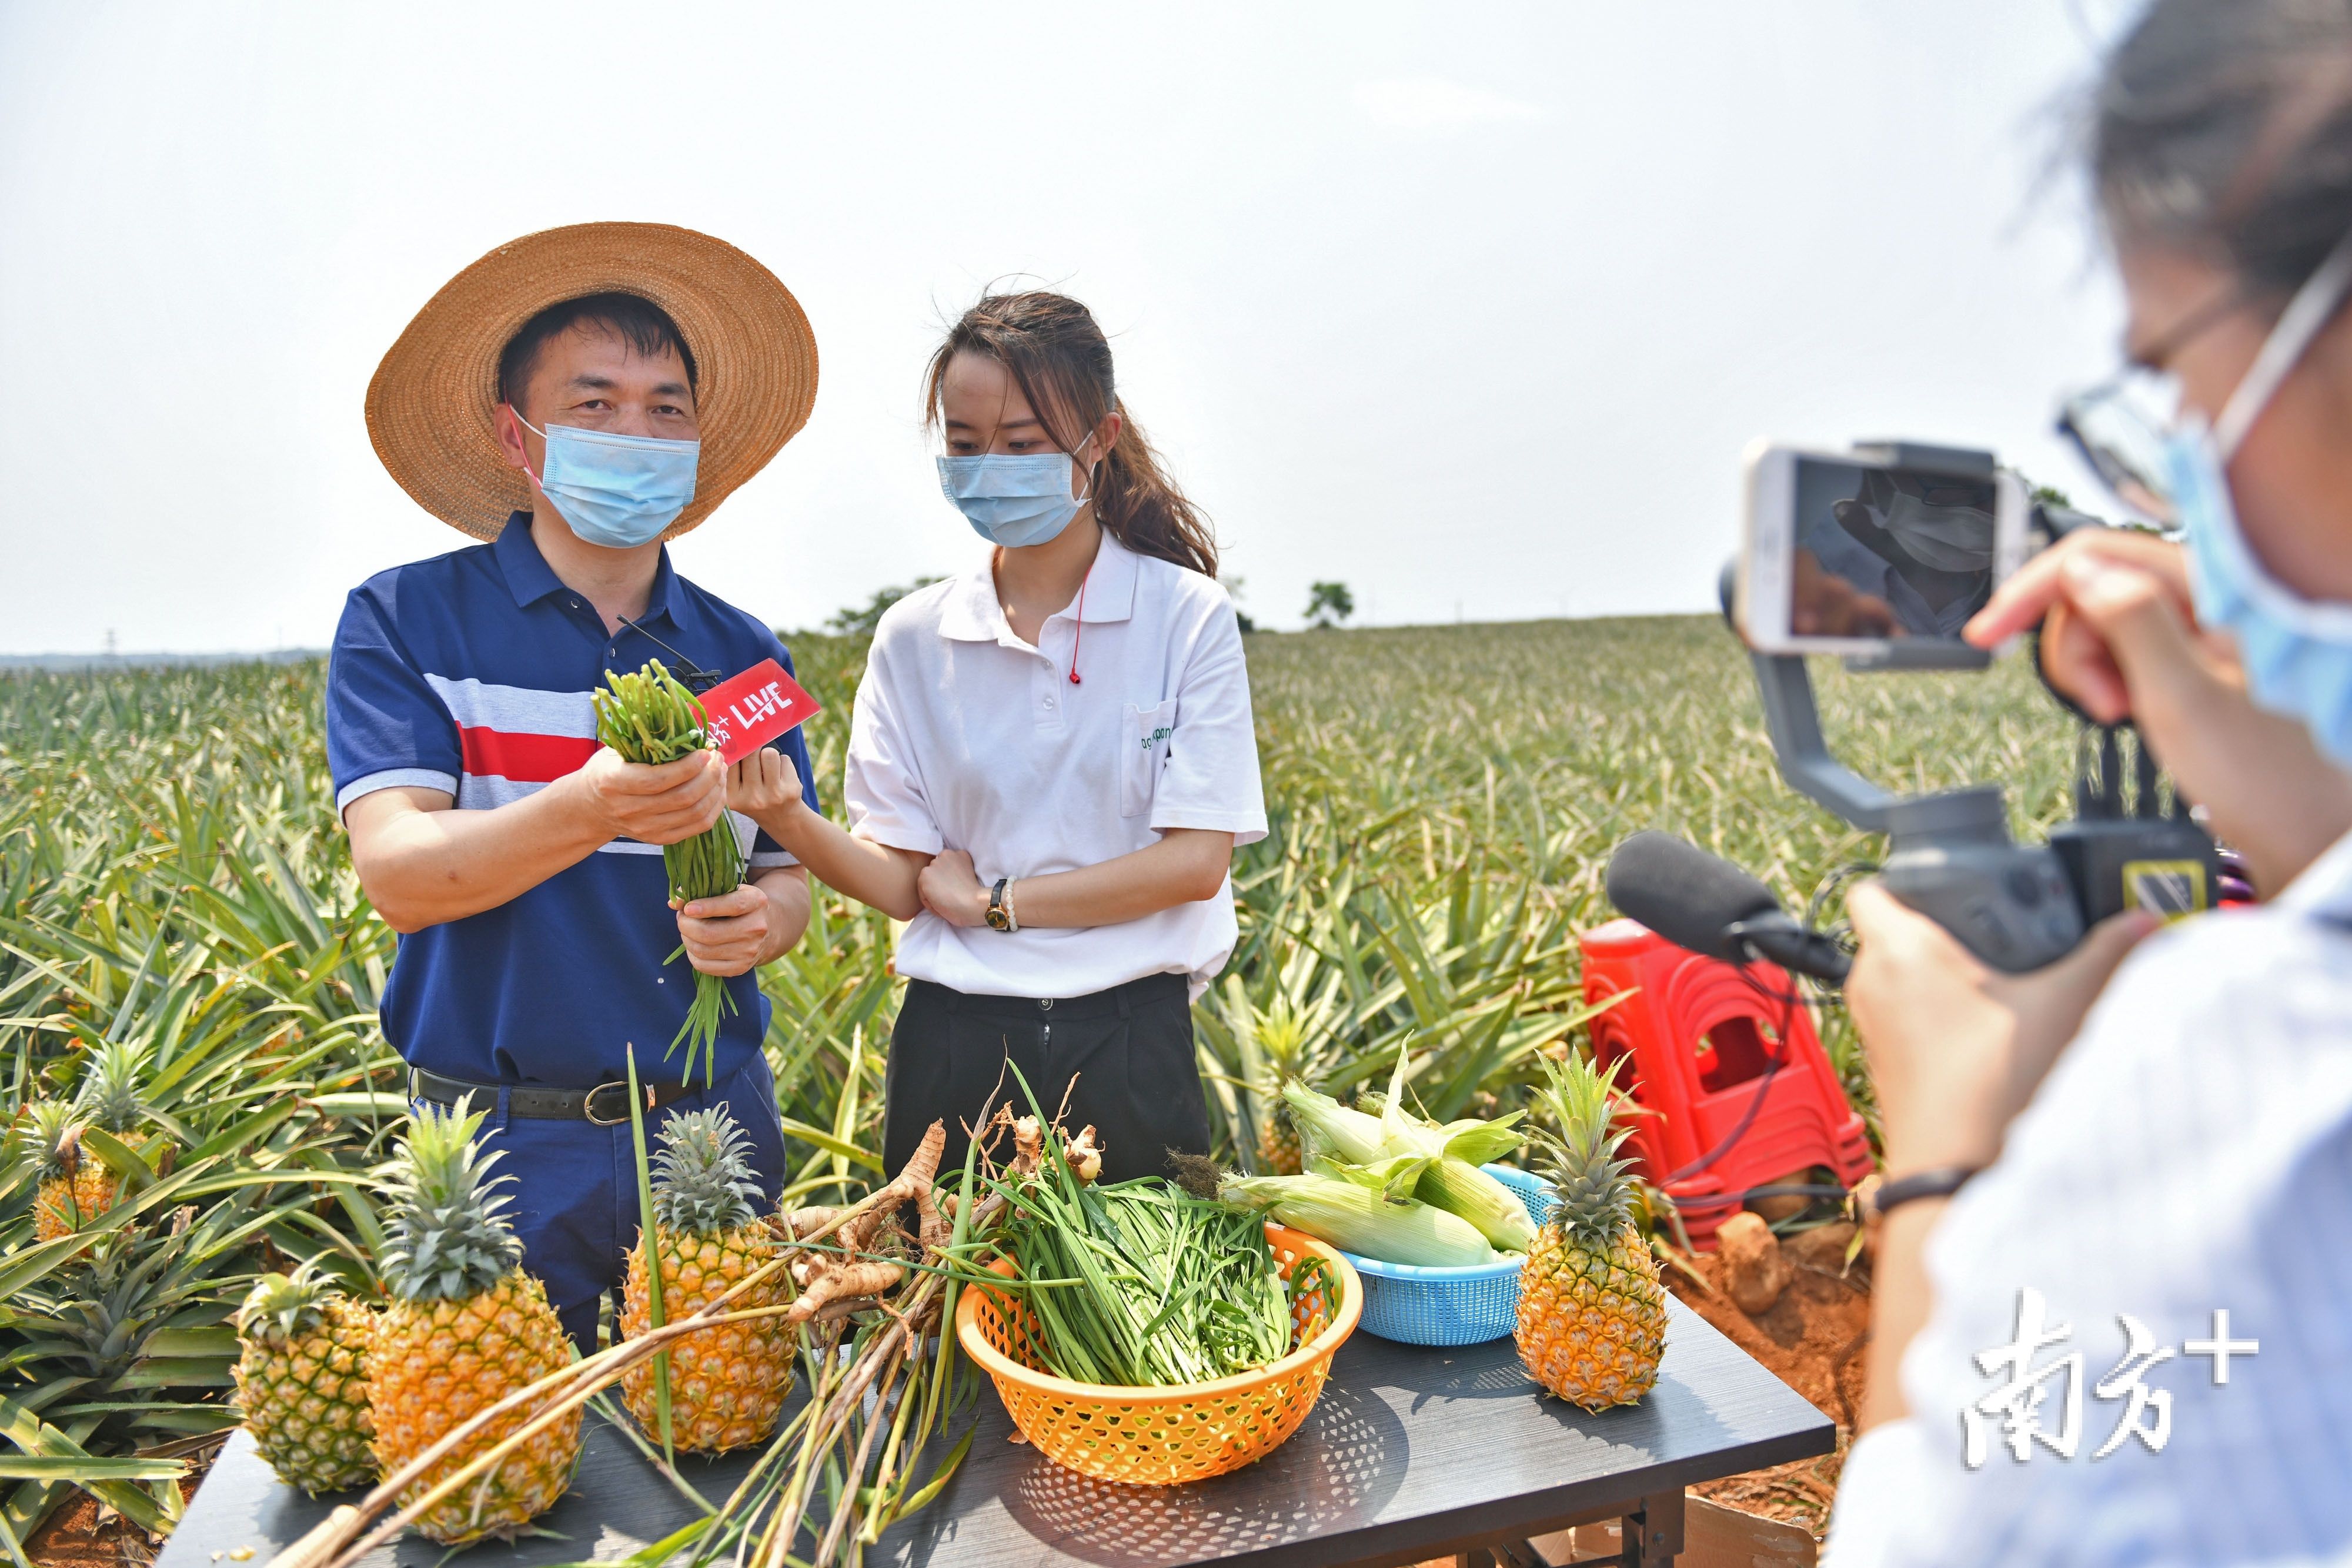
(588, 1105)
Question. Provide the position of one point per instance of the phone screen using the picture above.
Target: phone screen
(1890, 553)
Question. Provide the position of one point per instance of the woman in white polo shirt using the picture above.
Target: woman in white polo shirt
(1050, 761)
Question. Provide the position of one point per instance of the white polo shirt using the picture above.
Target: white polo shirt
(966, 738)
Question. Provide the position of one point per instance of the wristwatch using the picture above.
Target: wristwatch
(1000, 914)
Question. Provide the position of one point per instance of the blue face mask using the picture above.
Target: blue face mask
(1012, 499)
(2297, 654)
(618, 491)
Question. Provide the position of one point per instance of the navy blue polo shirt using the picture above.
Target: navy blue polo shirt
(472, 673)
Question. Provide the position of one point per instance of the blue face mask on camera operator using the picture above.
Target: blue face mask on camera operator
(2297, 653)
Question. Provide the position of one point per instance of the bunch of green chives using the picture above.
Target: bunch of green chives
(651, 717)
(1142, 1285)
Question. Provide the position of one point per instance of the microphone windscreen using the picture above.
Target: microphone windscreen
(1684, 894)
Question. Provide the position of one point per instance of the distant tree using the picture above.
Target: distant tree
(1233, 592)
(859, 620)
(1328, 604)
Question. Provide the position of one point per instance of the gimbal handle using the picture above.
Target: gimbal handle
(1793, 719)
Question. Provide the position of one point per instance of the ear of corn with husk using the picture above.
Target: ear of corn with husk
(1349, 1208)
(1444, 1161)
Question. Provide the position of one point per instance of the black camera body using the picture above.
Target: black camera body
(1951, 856)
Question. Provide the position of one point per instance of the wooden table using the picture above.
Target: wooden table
(1410, 1454)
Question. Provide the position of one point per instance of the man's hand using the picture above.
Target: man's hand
(951, 889)
(730, 933)
(764, 784)
(1956, 1049)
(653, 803)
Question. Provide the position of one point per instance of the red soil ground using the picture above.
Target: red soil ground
(1813, 1339)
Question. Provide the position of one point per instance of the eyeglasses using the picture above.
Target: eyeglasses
(2122, 425)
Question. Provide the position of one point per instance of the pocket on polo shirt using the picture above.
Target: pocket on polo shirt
(1145, 735)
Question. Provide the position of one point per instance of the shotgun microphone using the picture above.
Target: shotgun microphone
(1709, 906)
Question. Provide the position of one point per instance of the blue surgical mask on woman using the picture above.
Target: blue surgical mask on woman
(615, 490)
(2297, 653)
(1010, 499)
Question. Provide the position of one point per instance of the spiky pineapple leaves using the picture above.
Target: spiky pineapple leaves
(1581, 1162)
(702, 1178)
(44, 1138)
(447, 1238)
(280, 1306)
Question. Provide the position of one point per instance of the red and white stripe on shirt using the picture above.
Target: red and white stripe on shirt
(517, 740)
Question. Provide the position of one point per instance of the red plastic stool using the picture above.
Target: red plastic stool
(1701, 1038)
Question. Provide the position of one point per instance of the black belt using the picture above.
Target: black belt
(606, 1105)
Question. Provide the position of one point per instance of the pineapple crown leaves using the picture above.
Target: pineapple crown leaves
(1283, 1035)
(110, 1094)
(1596, 1196)
(448, 1241)
(702, 1178)
(280, 1306)
(44, 1137)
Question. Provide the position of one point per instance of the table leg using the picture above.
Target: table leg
(1649, 1536)
(1653, 1536)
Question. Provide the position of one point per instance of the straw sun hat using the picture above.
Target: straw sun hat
(432, 408)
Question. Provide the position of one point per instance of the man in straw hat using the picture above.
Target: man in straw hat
(572, 400)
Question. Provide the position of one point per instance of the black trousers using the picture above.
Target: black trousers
(1130, 1048)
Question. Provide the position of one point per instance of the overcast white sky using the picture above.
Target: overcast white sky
(1472, 307)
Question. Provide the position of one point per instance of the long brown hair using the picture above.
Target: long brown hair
(1061, 361)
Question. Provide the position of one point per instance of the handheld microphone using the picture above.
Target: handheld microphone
(1709, 906)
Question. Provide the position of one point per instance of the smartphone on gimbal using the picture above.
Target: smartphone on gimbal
(1880, 554)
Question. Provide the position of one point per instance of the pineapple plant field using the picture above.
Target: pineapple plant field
(197, 1090)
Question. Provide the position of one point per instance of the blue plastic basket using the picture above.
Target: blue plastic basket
(1450, 1306)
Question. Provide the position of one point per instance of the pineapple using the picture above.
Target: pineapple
(726, 1384)
(1592, 1313)
(464, 1328)
(1279, 1152)
(301, 1383)
(1292, 1055)
(74, 1187)
(77, 1188)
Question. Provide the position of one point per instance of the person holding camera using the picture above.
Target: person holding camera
(2112, 1316)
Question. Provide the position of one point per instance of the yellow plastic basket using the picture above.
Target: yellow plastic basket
(1161, 1436)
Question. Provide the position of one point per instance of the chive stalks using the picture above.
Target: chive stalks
(1140, 1284)
(651, 717)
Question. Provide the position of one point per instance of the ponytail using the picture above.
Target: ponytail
(1061, 361)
